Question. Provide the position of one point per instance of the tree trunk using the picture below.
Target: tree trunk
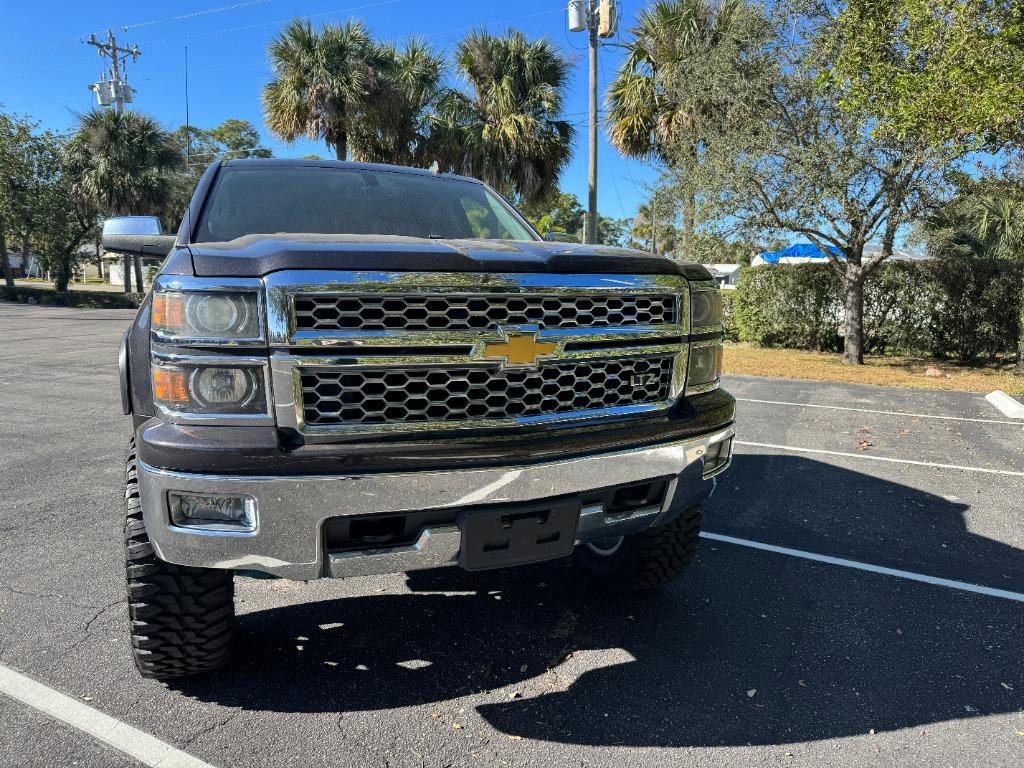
(341, 148)
(853, 344)
(62, 277)
(140, 284)
(99, 260)
(127, 273)
(8, 274)
(1019, 370)
(689, 216)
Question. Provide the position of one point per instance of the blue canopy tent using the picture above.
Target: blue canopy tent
(799, 253)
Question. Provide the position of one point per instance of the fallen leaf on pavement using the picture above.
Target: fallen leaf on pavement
(752, 693)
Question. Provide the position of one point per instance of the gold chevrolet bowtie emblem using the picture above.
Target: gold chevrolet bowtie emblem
(521, 349)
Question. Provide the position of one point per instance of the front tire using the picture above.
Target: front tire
(180, 617)
(646, 560)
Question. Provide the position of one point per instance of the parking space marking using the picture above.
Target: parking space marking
(963, 586)
(885, 413)
(869, 457)
(147, 749)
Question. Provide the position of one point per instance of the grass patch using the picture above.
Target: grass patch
(877, 369)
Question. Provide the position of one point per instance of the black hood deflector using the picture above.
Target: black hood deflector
(259, 255)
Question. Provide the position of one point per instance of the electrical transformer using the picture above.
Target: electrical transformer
(578, 13)
(608, 18)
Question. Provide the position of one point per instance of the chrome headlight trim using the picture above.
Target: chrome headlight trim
(171, 357)
(250, 288)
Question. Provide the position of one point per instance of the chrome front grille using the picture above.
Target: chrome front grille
(438, 312)
(408, 395)
(362, 353)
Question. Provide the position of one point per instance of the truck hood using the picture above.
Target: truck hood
(259, 255)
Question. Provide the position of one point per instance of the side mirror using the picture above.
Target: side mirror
(560, 237)
(140, 235)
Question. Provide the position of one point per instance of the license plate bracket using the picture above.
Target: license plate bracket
(518, 533)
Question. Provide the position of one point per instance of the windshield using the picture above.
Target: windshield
(351, 201)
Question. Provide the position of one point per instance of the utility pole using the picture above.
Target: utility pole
(599, 18)
(591, 225)
(654, 223)
(116, 90)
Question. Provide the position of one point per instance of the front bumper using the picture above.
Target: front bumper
(291, 510)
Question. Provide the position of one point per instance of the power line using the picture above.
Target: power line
(492, 23)
(273, 23)
(195, 14)
(79, 38)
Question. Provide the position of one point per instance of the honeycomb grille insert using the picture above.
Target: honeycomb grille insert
(475, 313)
(332, 397)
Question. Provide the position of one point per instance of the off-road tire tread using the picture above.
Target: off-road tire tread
(649, 559)
(180, 617)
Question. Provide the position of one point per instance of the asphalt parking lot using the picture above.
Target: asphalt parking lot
(755, 657)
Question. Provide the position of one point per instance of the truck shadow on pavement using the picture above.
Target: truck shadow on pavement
(748, 648)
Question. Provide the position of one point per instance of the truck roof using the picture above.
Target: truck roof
(288, 162)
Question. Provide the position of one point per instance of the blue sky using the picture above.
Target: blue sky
(45, 68)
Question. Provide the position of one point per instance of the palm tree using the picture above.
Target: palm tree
(121, 163)
(997, 222)
(506, 130)
(323, 81)
(997, 226)
(643, 115)
(394, 127)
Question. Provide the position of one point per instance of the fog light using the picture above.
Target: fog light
(212, 512)
(717, 457)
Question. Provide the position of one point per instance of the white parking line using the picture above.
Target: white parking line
(147, 749)
(869, 457)
(909, 575)
(1006, 404)
(885, 413)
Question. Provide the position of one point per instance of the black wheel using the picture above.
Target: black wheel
(180, 617)
(645, 560)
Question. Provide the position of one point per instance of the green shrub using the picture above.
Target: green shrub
(93, 299)
(796, 306)
(732, 330)
(898, 307)
(969, 309)
(975, 311)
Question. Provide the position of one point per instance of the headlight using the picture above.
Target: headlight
(705, 309)
(203, 390)
(704, 367)
(206, 316)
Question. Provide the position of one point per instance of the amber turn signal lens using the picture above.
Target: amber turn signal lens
(168, 311)
(170, 386)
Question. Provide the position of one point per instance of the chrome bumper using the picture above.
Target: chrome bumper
(287, 541)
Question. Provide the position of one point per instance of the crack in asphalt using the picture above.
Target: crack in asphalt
(211, 728)
(86, 630)
(55, 596)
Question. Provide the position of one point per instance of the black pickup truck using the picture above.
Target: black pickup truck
(347, 369)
